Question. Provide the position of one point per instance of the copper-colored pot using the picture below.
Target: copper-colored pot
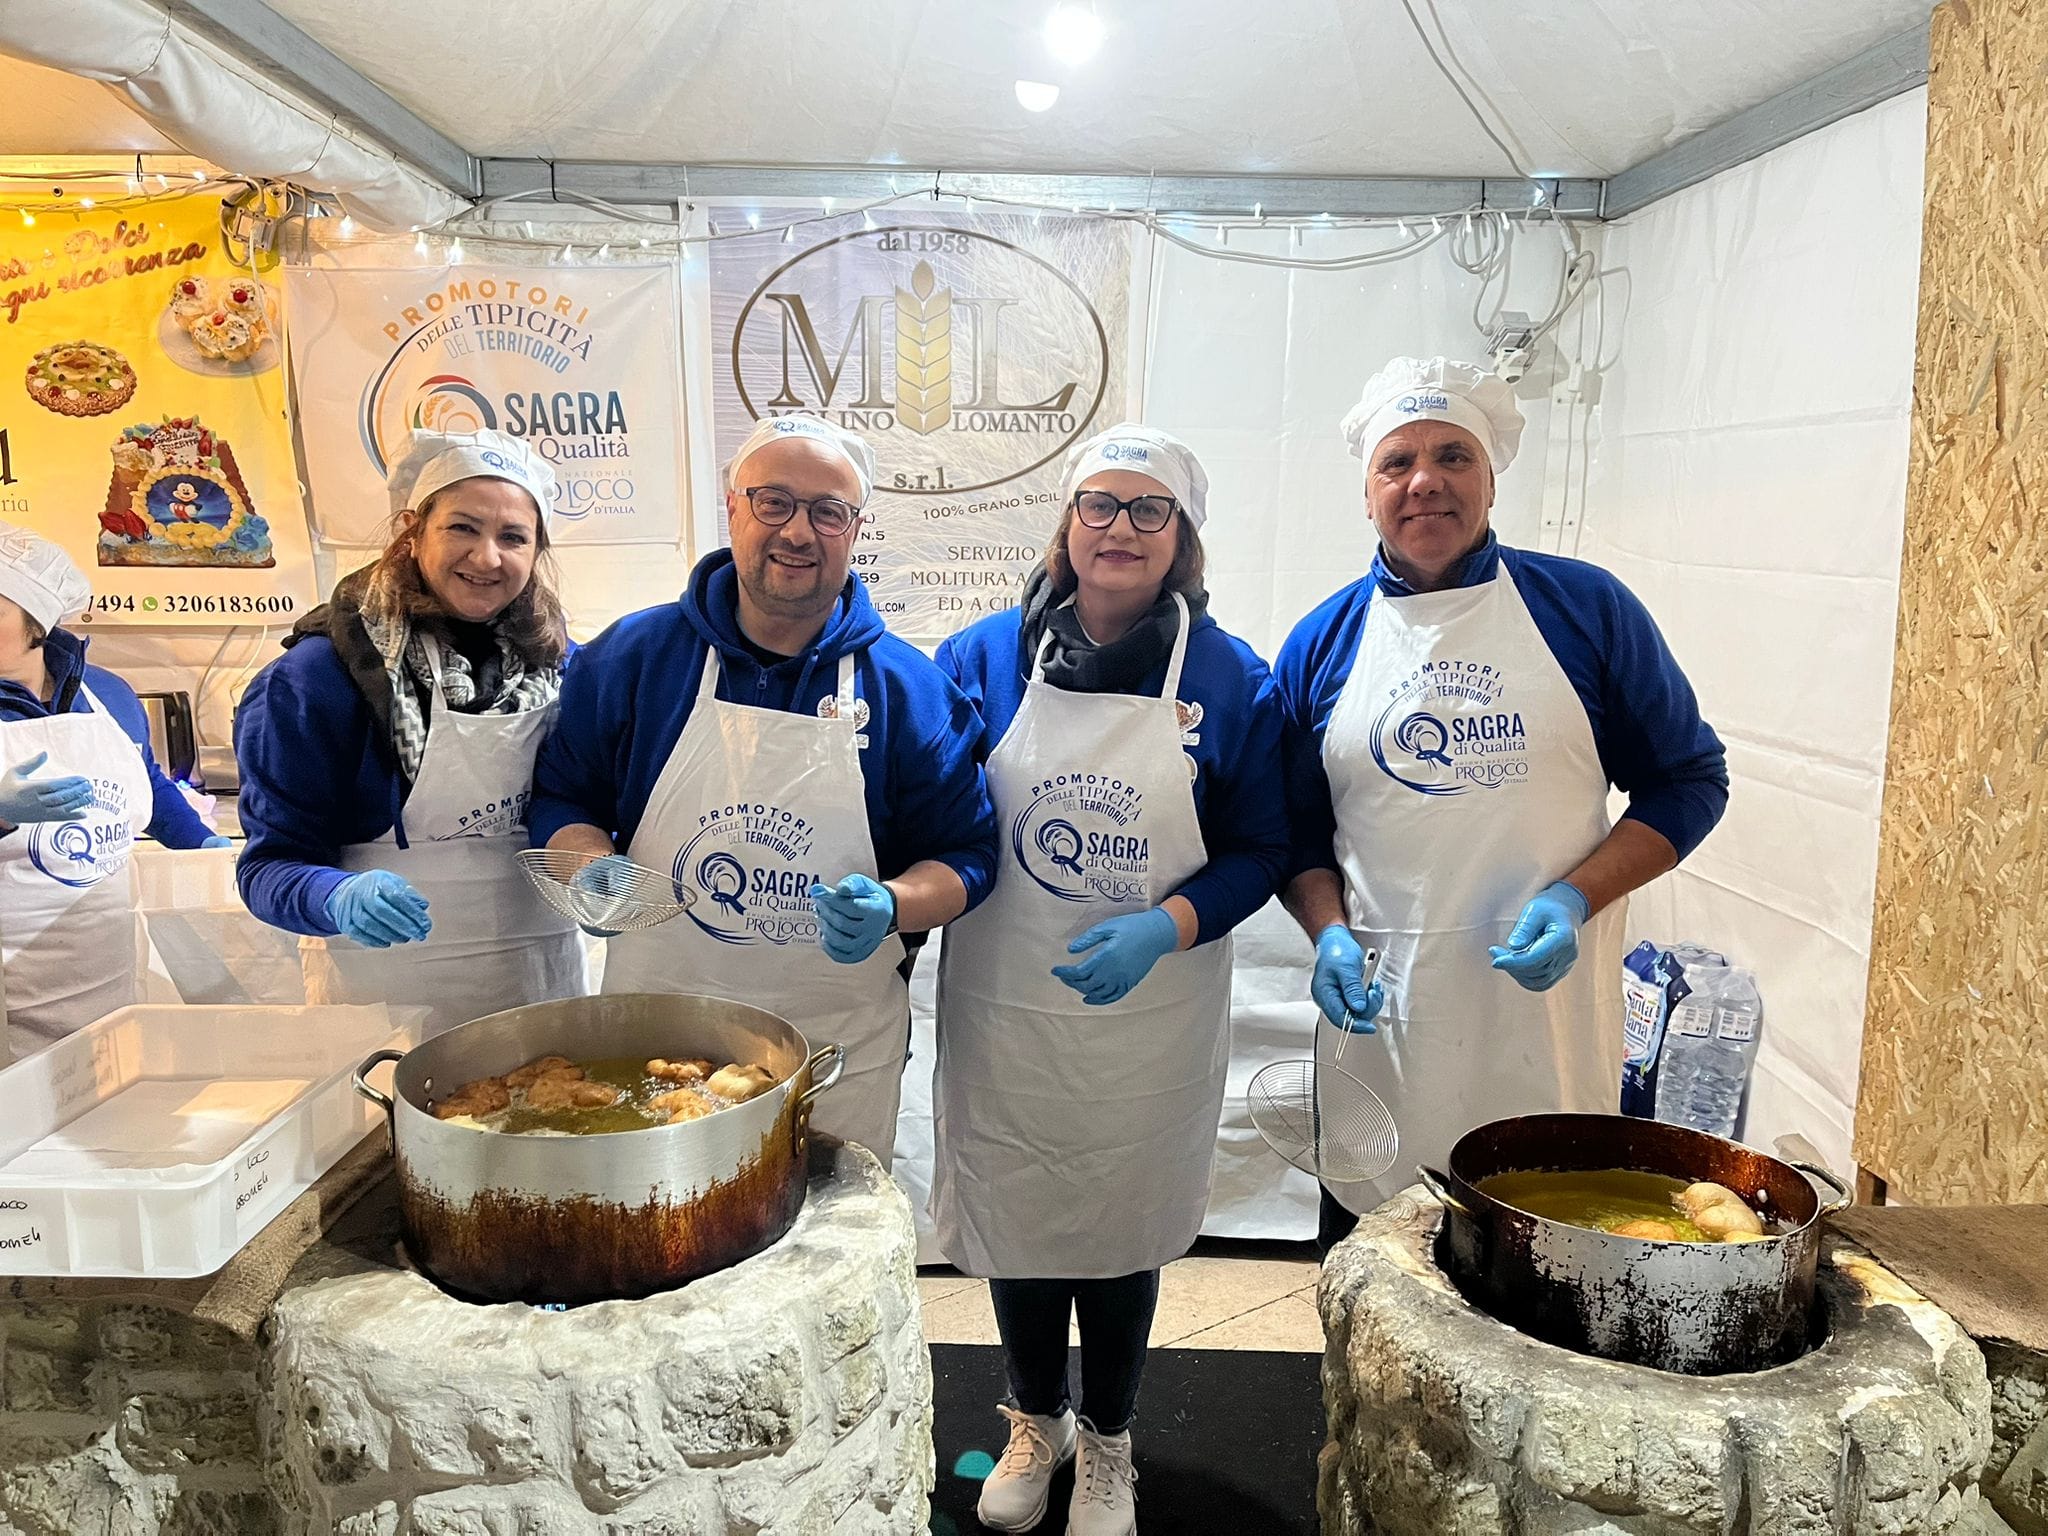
(1700, 1308)
(587, 1218)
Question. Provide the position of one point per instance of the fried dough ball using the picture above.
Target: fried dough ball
(1717, 1210)
(681, 1104)
(694, 1071)
(533, 1071)
(740, 1084)
(485, 1096)
(1649, 1229)
(559, 1090)
(1745, 1237)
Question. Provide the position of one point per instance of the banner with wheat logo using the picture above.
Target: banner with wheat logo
(972, 350)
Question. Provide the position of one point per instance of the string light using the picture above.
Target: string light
(419, 245)
(163, 183)
(568, 251)
(604, 250)
(753, 220)
(455, 249)
(28, 219)
(867, 220)
(788, 234)
(86, 202)
(348, 226)
(825, 203)
(200, 177)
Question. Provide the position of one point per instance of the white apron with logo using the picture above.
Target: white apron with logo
(1465, 779)
(71, 936)
(1075, 1142)
(752, 806)
(495, 944)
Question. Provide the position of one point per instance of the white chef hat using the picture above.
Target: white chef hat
(1149, 451)
(433, 461)
(39, 576)
(1436, 389)
(772, 429)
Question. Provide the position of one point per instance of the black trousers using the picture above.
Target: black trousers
(1116, 1320)
(1333, 1223)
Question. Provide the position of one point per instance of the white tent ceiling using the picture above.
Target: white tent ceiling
(1299, 87)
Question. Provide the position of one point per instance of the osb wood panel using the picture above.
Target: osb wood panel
(1953, 1104)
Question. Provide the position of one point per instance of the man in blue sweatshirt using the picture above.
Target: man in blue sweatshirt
(1455, 718)
(808, 780)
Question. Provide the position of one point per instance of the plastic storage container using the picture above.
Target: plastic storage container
(159, 1140)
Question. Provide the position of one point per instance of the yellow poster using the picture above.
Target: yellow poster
(143, 413)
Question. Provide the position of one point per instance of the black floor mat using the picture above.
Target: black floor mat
(1225, 1442)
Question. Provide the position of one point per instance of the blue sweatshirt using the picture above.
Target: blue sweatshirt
(627, 695)
(1237, 753)
(172, 820)
(1646, 723)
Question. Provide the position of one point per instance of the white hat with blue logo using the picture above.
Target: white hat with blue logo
(850, 446)
(1149, 451)
(433, 461)
(1436, 389)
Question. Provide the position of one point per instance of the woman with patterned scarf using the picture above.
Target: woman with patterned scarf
(387, 756)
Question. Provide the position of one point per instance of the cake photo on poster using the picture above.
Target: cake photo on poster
(177, 498)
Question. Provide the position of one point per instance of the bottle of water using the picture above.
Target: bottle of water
(1688, 1036)
(1714, 1100)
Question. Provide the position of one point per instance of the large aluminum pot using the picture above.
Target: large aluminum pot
(1699, 1308)
(586, 1218)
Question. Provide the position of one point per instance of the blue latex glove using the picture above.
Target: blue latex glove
(608, 877)
(1339, 984)
(24, 798)
(217, 841)
(853, 917)
(1544, 942)
(379, 909)
(1121, 953)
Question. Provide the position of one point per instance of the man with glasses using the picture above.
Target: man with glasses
(807, 780)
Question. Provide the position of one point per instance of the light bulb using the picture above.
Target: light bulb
(419, 244)
(86, 202)
(604, 250)
(28, 219)
(1036, 95)
(825, 203)
(1073, 33)
(348, 226)
(455, 250)
(867, 220)
(162, 183)
(788, 233)
(199, 176)
(645, 243)
(568, 251)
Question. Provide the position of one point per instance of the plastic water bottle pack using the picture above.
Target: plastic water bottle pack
(1693, 1027)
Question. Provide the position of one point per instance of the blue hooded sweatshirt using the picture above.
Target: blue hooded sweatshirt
(627, 695)
(172, 820)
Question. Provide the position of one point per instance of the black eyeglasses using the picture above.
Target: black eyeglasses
(1149, 514)
(775, 506)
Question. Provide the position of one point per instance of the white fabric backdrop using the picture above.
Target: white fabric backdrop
(1748, 482)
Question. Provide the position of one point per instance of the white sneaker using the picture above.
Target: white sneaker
(1013, 1497)
(1105, 1498)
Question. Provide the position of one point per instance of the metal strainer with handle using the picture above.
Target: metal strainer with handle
(1322, 1119)
(632, 896)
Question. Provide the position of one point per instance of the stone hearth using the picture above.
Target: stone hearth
(1444, 1421)
(787, 1396)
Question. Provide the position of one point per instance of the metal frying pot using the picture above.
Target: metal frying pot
(586, 1218)
(1699, 1308)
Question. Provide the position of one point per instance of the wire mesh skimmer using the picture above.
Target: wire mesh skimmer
(625, 898)
(1322, 1119)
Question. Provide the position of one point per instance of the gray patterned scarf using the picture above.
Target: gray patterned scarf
(505, 687)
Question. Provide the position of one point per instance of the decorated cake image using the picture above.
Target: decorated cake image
(80, 378)
(177, 498)
(227, 319)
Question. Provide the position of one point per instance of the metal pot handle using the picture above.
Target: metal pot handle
(361, 1079)
(1440, 1186)
(1844, 1196)
(836, 1054)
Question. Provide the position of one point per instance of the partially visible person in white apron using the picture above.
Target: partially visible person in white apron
(387, 756)
(811, 778)
(78, 783)
(1455, 718)
(1084, 1009)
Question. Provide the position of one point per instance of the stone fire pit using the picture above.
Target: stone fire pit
(788, 1396)
(1444, 1421)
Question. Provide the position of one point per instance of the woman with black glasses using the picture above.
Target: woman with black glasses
(1133, 754)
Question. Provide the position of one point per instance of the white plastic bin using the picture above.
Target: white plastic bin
(159, 1140)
